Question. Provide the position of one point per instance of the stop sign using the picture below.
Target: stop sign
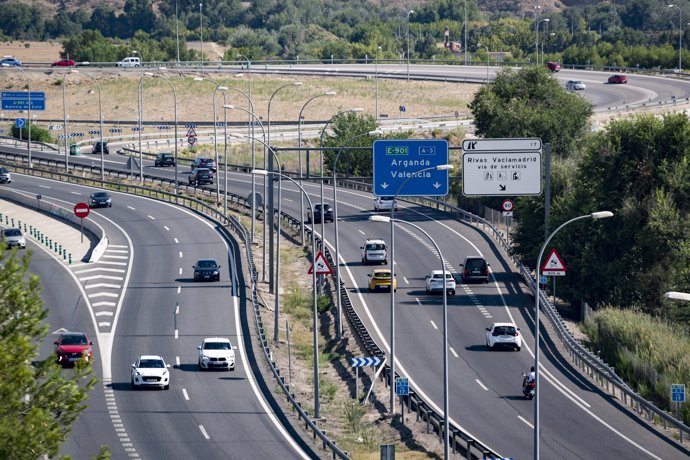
(81, 210)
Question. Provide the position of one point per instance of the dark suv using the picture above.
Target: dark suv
(475, 268)
(164, 159)
(327, 213)
(201, 176)
(97, 148)
(204, 163)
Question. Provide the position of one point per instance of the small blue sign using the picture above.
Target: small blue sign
(402, 386)
(678, 392)
(542, 279)
(407, 167)
(402, 108)
(20, 123)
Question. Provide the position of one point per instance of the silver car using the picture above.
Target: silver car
(5, 176)
(13, 236)
(575, 85)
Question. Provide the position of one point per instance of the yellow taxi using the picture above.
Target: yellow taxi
(380, 279)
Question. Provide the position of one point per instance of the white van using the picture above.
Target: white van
(130, 62)
(374, 250)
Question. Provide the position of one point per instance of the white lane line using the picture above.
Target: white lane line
(104, 313)
(180, 271)
(104, 324)
(89, 270)
(177, 360)
(180, 253)
(114, 257)
(117, 251)
(43, 186)
(151, 217)
(481, 384)
(103, 285)
(184, 393)
(434, 325)
(525, 421)
(75, 193)
(179, 289)
(102, 294)
(405, 280)
(361, 232)
(288, 200)
(454, 352)
(419, 302)
(177, 334)
(101, 277)
(166, 228)
(203, 431)
(131, 207)
(103, 304)
(176, 240)
(120, 246)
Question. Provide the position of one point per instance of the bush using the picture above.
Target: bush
(38, 134)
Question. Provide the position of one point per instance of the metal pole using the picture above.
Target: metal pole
(201, 25)
(100, 117)
(376, 77)
(465, 24)
(28, 87)
(140, 107)
(64, 107)
(177, 185)
(177, 34)
(408, 43)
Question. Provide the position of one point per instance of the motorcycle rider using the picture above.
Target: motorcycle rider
(529, 378)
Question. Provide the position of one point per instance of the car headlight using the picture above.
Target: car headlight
(165, 372)
(204, 357)
(137, 373)
(215, 272)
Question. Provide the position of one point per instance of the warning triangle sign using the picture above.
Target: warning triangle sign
(191, 132)
(553, 263)
(321, 266)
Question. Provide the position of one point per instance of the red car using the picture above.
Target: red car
(553, 66)
(618, 79)
(64, 63)
(71, 347)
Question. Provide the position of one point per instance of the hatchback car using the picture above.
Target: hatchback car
(553, 66)
(64, 63)
(618, 79)
(385, 203)
(204, 163)
(381, 280)
(71, 347)
(164, 159)
(506, 335)
(98, 146)
(475, 268)
(206, 270)
(100, 200)
(374, 250)
(318, 207)
(434, 282)
(10, 61)
(13, 236)
(575, 85)
(5, 176)
(200, 176)
(150, 371)
(216, 353)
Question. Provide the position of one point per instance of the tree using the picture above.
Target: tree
(38, 401)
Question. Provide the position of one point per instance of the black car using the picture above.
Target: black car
(475, 268)
(201, 176)
(206, 270)
(327, 213)
(204, 163)
(100, 200)
(164, 159)
(97, 148)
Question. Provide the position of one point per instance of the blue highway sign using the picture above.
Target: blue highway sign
(366, 362)
(678, 392)
(19, 100)
(402, 386)
(398, 163)
(20, 123)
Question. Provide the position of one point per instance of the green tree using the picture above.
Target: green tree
(38, 400)
(38, 134)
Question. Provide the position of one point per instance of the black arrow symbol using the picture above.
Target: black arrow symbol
(502, 187)
(472, 145)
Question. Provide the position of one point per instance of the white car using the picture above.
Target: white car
(505, 335)
(150, 371)
(216, 353)
(13, 236)
(434, 282)
(130, 62)
(575, 85)
(385, 203)
(374, 250)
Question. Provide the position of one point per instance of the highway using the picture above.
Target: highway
(578, 420)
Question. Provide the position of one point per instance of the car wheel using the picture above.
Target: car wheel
(517, 348)
(385, 261)
(199, 364)
(427, 291)
(167, 387)
(134, 387)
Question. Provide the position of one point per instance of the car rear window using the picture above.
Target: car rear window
(475, 263)
(504, 330)
(376, 247)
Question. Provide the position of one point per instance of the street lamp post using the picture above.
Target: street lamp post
(177, 185)
(28, 95)
(140, 128)
(100, 117)
(201, 26)
(673, 295)
(315, 325)
(376, 77)
(680, 36)
(299, 150)
(487, 60)
(377, 218)
(64, 128)
(445, 167)
(464, 45)
(408, 43)
(536, 29)
(339, 322)
(221, 88)
(594, 216)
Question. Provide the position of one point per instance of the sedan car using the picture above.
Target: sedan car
(385, 203)
(13, 236)
(506, 335)
(206, 270)
(100, 200)
(64, 63)
(475, 268)
(434, 282)
(575, 85)
(216, 353)
(381, 280)
(204, 163)
(71, 347)
(553, 66)
(10, 61)
(318, 207)
(150, 371)
(618, 79)
(200, 176)
(5, 176)
(98, 146)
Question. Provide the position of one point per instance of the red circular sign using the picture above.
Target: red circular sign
(81, 210)
(507, 205)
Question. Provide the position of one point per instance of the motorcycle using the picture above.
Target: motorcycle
(528, 388)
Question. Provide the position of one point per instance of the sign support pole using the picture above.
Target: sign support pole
(81, 228)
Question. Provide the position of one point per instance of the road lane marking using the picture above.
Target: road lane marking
(166, 228)
(454, 353)
(184, 393)
(405, 280)
(131, 207)
(177, 335)
(360, 231)
(75, 193)
(434, 325)
(179, 289)
(177, 360)
(481, 384)
(151, 217)
(525, 421)
(180, 253)
(203, 431)
(180, 271)
(176, 241)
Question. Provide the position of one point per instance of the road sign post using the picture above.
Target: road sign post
(81, 210)
(396, 161)
(678, 396)
(402, 389)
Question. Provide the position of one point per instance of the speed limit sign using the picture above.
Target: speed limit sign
(507, 205)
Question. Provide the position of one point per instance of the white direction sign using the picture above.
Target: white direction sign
(501, 167)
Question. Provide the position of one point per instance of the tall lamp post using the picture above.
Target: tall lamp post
(487, 60)
(100, 117)
(64, 128)
(594, 216)
(536, 29)
(28, 88)
(377, 218)
(408, 43)
(376, 77)
(299, 150)
(201, 26)
(140, 128)
(339, 324)
(395, 198)
(680, 36)
(464, 45)
(315, 325)
(163, 77)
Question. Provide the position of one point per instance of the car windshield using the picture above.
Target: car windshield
(101, 195)
(12, 232)
(504, 330)
(217, 346)
(376, 247)
(151, 363)
(73, 340)
(206, 264)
